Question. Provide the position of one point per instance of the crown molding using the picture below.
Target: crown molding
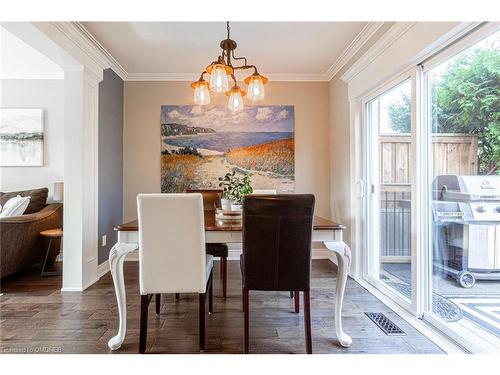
(386, 40)
(357, 43)
(93, 48)
(90, 46)
(298, 77)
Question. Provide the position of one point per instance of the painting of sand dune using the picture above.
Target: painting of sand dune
(201, 143)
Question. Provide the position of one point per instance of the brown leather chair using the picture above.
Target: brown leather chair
(277, 232)
(211, 201)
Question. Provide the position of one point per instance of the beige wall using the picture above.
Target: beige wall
(340, 177)
(141, 135)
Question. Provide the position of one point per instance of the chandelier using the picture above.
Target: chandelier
(221, 71)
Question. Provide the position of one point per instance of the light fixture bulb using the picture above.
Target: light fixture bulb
(218, 78)
(201, 93)
(235, 102)
(256, 88)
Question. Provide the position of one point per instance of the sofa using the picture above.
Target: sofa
(21, 245)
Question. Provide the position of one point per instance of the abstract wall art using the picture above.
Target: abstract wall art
(21, 137)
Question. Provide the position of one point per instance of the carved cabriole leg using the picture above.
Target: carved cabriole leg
(343, 254)
(116, 258)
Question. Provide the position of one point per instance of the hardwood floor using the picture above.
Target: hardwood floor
(36, 317)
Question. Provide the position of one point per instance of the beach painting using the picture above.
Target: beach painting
(21, 137)
(201, 143)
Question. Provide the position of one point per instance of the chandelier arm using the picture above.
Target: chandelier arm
(239, 58)
(201, 75)
(234, 79)
(247, 67)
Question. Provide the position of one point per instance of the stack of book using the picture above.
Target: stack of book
(224, 217)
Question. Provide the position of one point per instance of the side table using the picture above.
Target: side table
(50, 234)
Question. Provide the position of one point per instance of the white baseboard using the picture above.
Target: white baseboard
(71, 289)
(102, 269)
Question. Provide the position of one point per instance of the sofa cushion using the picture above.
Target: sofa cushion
(15, 206)
(38, 198)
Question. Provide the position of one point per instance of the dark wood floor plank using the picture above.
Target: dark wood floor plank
(35, 316)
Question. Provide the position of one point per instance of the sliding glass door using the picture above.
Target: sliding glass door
(390, 147)
(463, 119)
(432, 182)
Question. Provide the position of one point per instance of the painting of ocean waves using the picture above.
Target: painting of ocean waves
(199, 144)
(226, 141)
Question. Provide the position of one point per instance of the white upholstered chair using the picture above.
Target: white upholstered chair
(172, 257)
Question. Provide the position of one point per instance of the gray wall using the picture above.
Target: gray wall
(110, 159)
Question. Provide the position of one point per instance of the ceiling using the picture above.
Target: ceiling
(306, 49)
(18, 60)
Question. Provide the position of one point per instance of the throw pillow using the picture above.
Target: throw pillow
(15, 206)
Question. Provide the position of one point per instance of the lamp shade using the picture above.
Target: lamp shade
(58, 195)
(201, 93)
(219, 81)
(235, 99)
(256, 84)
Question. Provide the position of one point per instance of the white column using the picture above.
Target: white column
(81, 185)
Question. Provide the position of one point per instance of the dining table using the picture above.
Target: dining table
(216, 231)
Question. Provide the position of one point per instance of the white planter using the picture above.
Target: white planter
(235, 207)
(226, 204)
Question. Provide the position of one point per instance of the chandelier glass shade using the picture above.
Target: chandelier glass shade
(235, 99)
(222, 73)
(256, 84)
(201, 92)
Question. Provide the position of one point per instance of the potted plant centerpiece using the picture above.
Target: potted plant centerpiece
(234, 189)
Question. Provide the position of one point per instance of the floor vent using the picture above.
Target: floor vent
(385, 324)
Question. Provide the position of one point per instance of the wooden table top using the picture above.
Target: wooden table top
(319, 223)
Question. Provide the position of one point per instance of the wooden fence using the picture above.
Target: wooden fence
(451, 154)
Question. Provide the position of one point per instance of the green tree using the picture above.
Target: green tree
(466, 99)
(400, 115)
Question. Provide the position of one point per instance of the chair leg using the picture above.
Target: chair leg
(291, 294)
(177, 296)
(210, 294)
(202, 321)
(143, 330)
(224, 276)
(307, 321)
(247, 318)
(221, 268)
(297, 301)
(158, 303)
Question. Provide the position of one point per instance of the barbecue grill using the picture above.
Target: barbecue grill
(466, 223)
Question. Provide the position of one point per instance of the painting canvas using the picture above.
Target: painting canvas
(201, 143)
(21, 137)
